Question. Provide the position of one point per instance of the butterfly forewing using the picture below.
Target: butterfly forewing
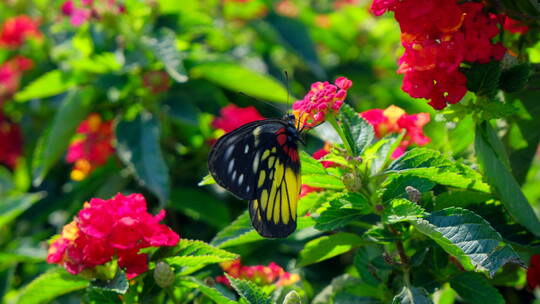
(259, 162)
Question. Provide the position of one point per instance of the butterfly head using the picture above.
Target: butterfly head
(292, 128)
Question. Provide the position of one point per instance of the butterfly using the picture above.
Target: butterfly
(259, 162)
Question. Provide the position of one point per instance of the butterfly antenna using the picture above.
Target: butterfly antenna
(263, 101)
(288, 89)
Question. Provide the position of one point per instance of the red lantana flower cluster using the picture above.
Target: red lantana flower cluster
(323, 99)
(259, 274)
(394, 120)
(91, 147)
(232, 117)
(11, 73)
(10, 141)
(107, 229)
(16, 30)
(533, 272)
(80, 11)
(438, 35)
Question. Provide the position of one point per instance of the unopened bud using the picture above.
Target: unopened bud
(352, 182)
(163, 275)
(413, 193)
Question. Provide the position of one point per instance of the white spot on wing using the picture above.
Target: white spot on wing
(228, 152)
(233, 177)
(231, 165)
(248, 188)
(246, 149)
(256, 162)
(240, 179)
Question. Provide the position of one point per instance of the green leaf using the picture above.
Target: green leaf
(394, 186)
(138, 147)
(521, 159)
(241, 232)
(342, 210)
(329, 246)
(497, 174)
(54, 142)
(459, 198)
(379, 155)
(12, 207)
(400, 210)
(294, 34)
(412, 295)
(461, 137)
(210, 292)
(50, 84)
(207, 180)
(515, 78)
(358, 132)
(310, 165)
(468, 237)
(213, 211)
(292, 298)
(474, 288)
(250, 292)
(483, 79)
(431, 165)
(119, 284)
(164, 47)
(100, 296)
(50, 285)
(193, 255)
(370, 264)
(240, 79)
(323, 181)
(338, 283)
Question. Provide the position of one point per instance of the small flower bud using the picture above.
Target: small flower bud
(163, 275)
(413, 193)
(352, 182)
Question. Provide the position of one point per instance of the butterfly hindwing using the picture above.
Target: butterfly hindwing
(273, 212)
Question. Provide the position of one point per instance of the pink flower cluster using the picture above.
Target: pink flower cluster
(323, 99)
(11, 73)
(80, 11)
(108, 229)
(394, 120)
(91, 147)
(438, 35)
(11, 141)
(16, 30)
(259, 274)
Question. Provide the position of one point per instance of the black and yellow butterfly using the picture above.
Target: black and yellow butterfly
(259, 162)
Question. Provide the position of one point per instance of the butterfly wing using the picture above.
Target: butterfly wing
(230, 159)
(273, 212)
(255, 162)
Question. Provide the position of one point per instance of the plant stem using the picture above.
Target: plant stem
(332, 120)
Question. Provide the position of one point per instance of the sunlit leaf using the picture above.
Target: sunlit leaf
(139, 148)
(54, 142)
(51, 285)
(240, 79)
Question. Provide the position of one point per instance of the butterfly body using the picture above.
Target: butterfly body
(259, 162)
